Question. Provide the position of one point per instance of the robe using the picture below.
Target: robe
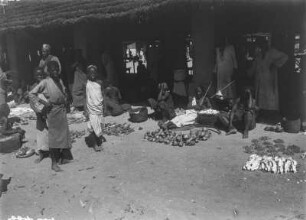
(225, 65)
(266, 80)
(58, 130)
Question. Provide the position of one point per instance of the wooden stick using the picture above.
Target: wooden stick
(224, 88)
(203, 99)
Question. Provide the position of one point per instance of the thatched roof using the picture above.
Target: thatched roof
(48, 13)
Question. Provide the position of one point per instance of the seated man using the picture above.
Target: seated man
(164, 105)
(242, 115)
(112, 98)
(4, 108)
(4, 113)
(199, 102)
(22, 94)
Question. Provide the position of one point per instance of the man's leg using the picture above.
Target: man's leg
(249, 123)
(94, 126)
(55, 157)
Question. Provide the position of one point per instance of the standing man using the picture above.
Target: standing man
(265, 69)
(46, 57)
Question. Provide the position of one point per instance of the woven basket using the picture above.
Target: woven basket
(291, 126)
(208, 120)
(139, 115)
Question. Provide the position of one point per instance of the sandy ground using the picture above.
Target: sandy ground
(136, 179)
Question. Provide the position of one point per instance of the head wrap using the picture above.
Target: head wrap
(163, 85)
(46, 47)
(92, 67)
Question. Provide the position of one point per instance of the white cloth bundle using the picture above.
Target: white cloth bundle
(271, 164)
(187, 119)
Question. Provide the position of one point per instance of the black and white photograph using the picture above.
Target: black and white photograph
(152, 109)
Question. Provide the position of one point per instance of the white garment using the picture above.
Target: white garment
(187, 119)
(94, 98)
(42, 142)
(95, 124)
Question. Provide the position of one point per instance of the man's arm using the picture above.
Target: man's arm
(54, 58)
(232, 113)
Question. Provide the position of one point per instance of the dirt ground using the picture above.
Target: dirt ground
(136, 179)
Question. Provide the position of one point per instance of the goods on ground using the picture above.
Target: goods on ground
(169, 137)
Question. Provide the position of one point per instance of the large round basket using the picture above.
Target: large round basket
(208, 120)
(292, 126)
(138, 115)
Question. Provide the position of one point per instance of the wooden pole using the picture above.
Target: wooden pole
(303, 65)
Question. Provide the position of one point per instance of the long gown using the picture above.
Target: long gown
(266, 80)
(58, 130)
(225, 65)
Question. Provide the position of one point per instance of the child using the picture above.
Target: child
(94, 105)
(41, 122)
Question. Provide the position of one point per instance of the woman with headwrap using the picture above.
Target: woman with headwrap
(55, 105)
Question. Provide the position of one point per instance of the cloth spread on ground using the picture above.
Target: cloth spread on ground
(185, 119)
(21, 111)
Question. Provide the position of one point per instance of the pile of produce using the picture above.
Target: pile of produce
(169, 137)
(276, 164)
(263, 146)
(117, 129)
(76, 135)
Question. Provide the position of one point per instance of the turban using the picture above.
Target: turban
(46, 47)
(92, 67)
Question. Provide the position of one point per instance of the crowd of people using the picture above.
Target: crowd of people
(49, 98)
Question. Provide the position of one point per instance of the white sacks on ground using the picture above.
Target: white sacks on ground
(209, 112)
(270, 164)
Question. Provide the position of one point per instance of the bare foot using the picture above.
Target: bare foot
(56, 168)
(98, 148)
(231, 131)
(103, 138)
(245, 135)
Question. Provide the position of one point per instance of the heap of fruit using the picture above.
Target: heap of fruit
(117, 129)
(270, 164)
(169, 137)
(264, 146)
